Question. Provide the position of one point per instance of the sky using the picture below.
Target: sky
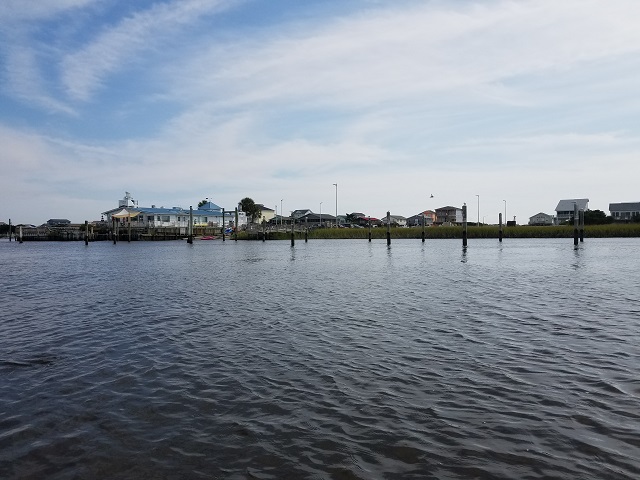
(498, 104)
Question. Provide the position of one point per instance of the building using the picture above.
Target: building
(416, 220)
(624, 212)
(267, 213)
(207, 215)
(58, 222)
(541, 219)
(449, 214)
(396, 220)
(564, 210)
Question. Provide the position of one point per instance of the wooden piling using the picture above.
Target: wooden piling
(575, 225)
(464, 225)
(129, 229)
(9, 229)
(423, 221)
(190, 233)
(113, 229)
(264, 230)
(293, 222)
(500, 229)
(306, 229)
(20, 237)
(581, 221)
(235, 226)
(86, 232)
(223, 226)
(369, 229)
(388, 228)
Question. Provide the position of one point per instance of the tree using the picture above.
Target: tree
(596, 217)
(248, 206)
(202, 202)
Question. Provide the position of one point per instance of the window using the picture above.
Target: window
(150, 218)
(158, 217)
(166, 218)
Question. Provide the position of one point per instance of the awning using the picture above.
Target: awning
(125, 214)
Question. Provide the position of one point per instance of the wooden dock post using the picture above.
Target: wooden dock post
(464, 226)
(306, 229)
(235, 227)
(113, 229)
(9, 229)
(575, 225)
(20, 234)
(223, 226)
(86, 232)
(423, 220)
(369, 229)
(581, 221)
(129, 229)
(388, 228)
(264, 229)
(500, 227)
(190, 237)
(293, 223)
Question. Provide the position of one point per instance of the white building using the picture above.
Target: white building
(541, 219)
(208, 215)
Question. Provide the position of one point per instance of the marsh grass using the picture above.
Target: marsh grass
(487, 231)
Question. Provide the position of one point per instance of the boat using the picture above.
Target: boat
(208, 237)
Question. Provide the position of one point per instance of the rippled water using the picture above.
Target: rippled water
(332, 359)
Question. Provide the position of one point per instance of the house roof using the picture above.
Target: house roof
(540, 213)
(624, 207)
(263, 208)
(567, 205)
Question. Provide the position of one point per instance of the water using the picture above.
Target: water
(331, 360)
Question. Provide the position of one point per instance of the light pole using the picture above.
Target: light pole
(281, 213)
(336, 185)
(505, 210)
(478, 209)
(320, 223)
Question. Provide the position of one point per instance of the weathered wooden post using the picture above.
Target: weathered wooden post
(264, 229)
(369, 228)
(9, 229)
(113, 229)
(388, 228)
(190, 234)
(235, 227)
(86, 232)
(20, 233)
(500, 227)
(464, 225)
(306, 229)
(575, 225)
(423, 220)
(129, 229)
(293, 223)
(223, 226)
(581, 216)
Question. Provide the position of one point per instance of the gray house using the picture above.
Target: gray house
(541, 219)
(564, 210)
(624, 212)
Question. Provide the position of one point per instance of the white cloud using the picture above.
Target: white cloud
(85, 71)
(29, 10)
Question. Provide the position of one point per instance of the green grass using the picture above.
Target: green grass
(488, 231)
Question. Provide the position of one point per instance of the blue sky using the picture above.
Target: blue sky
(174, 101)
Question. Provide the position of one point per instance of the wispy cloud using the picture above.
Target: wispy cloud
(85, 71)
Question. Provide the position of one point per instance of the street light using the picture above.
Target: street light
(320, 223)
(478, 209)
(505, 210)
(336, 185)
(281, 212)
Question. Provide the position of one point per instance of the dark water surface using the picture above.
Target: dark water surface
(334, 359)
